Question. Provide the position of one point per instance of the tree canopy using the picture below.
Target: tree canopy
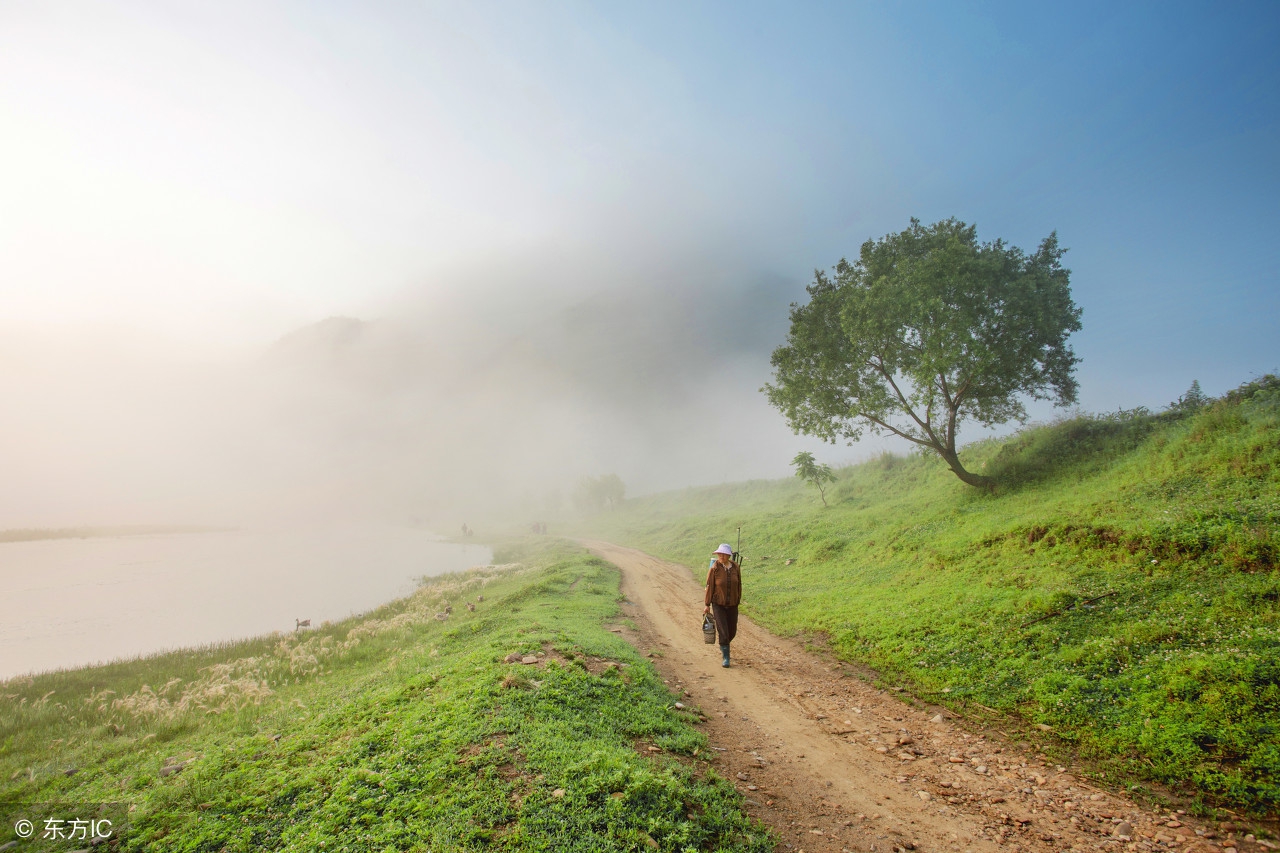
(927, 329)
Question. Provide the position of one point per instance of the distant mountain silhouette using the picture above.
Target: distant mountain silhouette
(327, 340)
(659, 385)
(626, 348)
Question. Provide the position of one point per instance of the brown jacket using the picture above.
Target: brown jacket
(724, 585)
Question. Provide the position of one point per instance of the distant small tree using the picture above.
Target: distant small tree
(808, 469)
(611, 491)
(596, 493)
(1192, 400)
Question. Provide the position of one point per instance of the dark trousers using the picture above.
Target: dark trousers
(726, 619)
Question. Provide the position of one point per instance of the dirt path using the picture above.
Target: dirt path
(833, 763)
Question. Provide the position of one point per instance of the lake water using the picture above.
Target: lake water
(70, 602)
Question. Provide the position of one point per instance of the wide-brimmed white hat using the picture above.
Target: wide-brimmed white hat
(724, 549)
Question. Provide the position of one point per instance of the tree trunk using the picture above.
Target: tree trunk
(953, 462)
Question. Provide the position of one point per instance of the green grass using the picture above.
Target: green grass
(391, 731)
(965, 596)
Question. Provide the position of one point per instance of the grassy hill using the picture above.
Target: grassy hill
(1121, 586)
(393, 730)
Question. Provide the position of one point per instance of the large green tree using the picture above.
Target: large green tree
(926, 329)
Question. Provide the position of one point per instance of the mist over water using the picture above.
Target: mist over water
(488, 393)
(70, 602)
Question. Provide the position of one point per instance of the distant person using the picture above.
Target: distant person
(466, 531)
(723, 593)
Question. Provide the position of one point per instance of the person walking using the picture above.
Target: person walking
(722, 595)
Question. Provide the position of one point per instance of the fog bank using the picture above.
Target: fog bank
(495, 388)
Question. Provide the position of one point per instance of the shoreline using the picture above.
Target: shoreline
(85, 603)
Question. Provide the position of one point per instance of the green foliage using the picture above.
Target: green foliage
(421, 737)
(808, 469)
(928, 328)
(1173, 517)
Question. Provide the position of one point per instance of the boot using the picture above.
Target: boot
(724, 652)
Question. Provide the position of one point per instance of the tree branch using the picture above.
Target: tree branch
(898, 432)
(879, 365)
(946, 393)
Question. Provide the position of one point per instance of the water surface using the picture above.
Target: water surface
(70, 602)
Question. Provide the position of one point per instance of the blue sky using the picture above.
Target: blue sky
(226, 172)
(1145, 134)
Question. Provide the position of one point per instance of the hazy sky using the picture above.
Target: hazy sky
(217, 174)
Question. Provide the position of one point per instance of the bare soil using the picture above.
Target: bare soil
(833, 763)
